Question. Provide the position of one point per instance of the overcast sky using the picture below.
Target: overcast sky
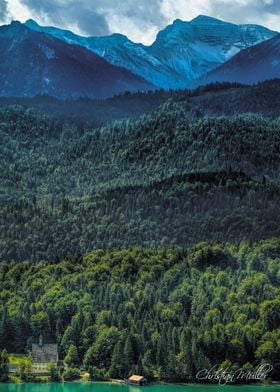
(140, 20)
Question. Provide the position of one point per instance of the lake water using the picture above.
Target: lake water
(103, 387)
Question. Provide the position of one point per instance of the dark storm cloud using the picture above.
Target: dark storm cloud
(140, 10)
(93, 17)
(252, 11)
(82, 13)
(272, 7)
(142, 19)
(3, 10)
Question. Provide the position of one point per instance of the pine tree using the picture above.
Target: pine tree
(128, 354)
(117, 368)
(4, 369)
(72, 357)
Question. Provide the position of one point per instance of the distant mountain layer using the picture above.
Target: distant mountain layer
(182, 52)
(258, 63)
(35, 63)
(211, 100)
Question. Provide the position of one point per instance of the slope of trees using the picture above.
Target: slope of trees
(68, 188)
(48, 158)
(178, 211)
(166, 314)
(196, 170)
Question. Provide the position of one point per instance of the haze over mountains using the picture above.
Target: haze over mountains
(47, 60)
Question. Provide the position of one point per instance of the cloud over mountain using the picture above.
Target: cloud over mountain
(142, 19)
(3, 10)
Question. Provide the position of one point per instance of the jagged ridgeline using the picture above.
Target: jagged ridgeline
(204, 166)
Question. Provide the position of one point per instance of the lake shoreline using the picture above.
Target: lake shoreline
(156, 383)
(94, 386)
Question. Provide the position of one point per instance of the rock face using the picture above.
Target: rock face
(34, 63)
(181, 52)
(258, 63)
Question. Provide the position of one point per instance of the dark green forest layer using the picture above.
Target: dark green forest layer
(48, 159)
(68, 187)
(203, 166)
(54, 157)
(179, 211)
(166, 314)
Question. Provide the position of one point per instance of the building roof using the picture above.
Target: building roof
(136, 378)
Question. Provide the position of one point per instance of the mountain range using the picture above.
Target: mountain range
(181, 52)
(251, 65)
(35, 63)
(50, 61)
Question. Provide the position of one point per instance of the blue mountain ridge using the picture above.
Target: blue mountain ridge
(255, 64)
(181, 53)
(33, 63)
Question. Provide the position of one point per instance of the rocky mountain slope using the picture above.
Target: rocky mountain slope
(35, 63)
(258, 63)
(181, 52)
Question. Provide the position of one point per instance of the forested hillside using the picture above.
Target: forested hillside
(179, 211)
(48, 157)
(143, 245)
(171, 177)
(165, 314)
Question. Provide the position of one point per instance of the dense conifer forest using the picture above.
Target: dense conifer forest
(166, 314)
(68, 187)
(142, 233)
